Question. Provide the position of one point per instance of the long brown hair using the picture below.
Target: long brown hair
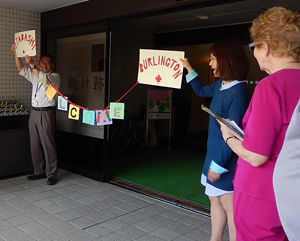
(232, 62)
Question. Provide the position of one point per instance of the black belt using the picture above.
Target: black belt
(42, 108)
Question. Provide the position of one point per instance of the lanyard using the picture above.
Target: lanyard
(37, 88)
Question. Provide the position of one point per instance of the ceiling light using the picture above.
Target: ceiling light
(202, 17)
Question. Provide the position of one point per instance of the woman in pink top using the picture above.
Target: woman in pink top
(276, 47)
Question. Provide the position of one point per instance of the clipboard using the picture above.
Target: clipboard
(234, 128)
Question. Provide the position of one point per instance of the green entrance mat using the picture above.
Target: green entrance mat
(176, 174)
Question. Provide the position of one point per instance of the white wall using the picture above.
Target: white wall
(14, 20)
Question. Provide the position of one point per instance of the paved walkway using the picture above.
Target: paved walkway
(81, 209)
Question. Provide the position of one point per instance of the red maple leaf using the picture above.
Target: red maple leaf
(158, 79)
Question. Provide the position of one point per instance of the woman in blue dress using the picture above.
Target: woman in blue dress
(230, 99)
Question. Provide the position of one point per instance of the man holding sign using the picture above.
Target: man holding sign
(42, 116)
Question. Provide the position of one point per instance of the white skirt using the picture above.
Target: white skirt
(210, 190)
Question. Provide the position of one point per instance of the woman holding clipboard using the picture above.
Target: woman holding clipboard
(276, 47)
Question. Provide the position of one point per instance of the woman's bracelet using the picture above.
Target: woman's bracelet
(228, 139)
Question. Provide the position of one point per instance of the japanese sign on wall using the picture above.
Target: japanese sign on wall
(80, 63)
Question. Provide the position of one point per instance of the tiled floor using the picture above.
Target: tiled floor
(81, 209)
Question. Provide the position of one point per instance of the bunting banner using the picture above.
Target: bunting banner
(103, 117)
(88, 117)
(62, 103)
(74, 112)
(156, 67)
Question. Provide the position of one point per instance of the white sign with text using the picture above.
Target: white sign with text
(160, 68)
(25, 43)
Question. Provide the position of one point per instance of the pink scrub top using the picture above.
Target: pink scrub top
(265, 124)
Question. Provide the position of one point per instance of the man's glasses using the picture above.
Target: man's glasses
(252, 46)
(45, 63)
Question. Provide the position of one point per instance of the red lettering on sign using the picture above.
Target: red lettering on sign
(149, 62)
(177, 74)
(168, 62)
(161, 61)
(25, 38)
(141, 68)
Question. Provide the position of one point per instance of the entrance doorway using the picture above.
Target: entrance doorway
(173, 177)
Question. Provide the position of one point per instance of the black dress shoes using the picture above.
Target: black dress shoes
(35, 177)
(51, 181)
